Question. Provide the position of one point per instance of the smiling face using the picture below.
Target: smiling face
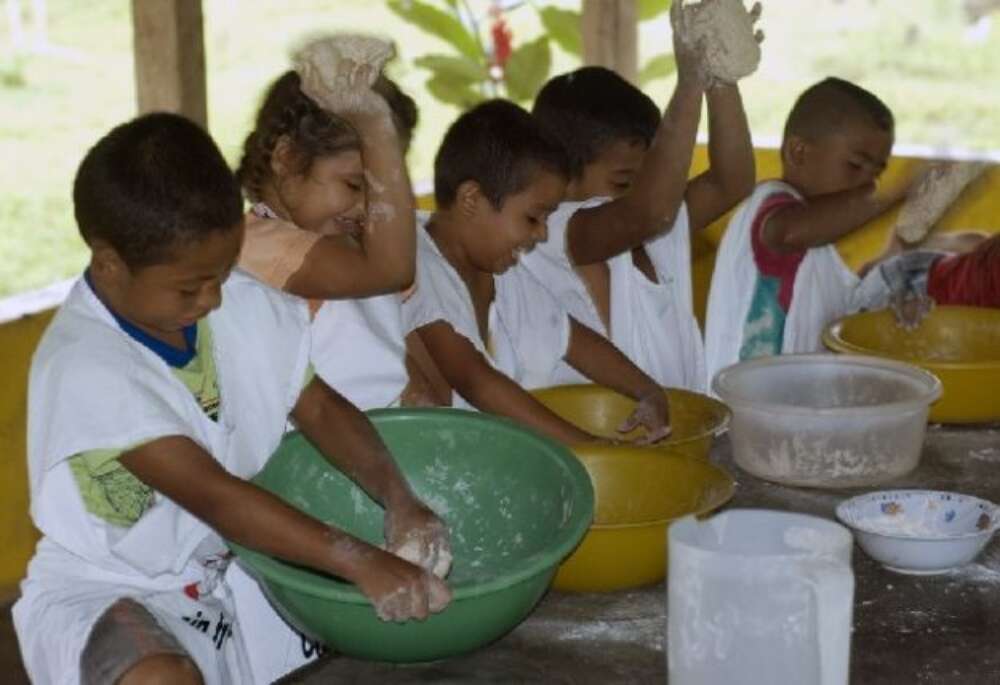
(162, 299)
(495, 239)
(328, 197)
(851, 157)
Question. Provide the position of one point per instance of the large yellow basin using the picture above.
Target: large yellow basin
(695, 419)
(638, 490)
(959, 345)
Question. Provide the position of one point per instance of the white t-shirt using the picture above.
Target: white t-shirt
(359, 350)
(92, 386)
(652, 323)
(528, 329)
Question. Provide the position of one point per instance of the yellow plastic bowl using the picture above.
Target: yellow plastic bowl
(639, 491)
(959, 345)
(694, 418)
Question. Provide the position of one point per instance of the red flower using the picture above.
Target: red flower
(501, 41)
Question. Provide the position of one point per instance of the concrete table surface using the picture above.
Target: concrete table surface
(907, 629)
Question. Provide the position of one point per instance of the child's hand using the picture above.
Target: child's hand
(401, 591)
(910, 309)
(416, 534)
(338, 71)
(689, 57)
(716, 42)
(653, 413)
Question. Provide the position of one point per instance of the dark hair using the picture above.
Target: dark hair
(152, 184)
(591, 107)
(404, 110)
(312, 131)
(498, 145)
(824, 107)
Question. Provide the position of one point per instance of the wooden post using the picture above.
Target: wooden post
(611, 35)
(169, 50)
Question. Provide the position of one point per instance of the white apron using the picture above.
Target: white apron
(822, 291)
(358, 349)
(652, 323)
(529, 331)
(92, 386)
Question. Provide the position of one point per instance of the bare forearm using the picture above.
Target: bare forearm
(495, 393)
(389, 237)
(825, 219)
(650, 205)
(599, 360)
(732, 171)
(348, 440)
(240, 511)
(255, 518)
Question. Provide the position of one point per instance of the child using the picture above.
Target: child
(618, 255)
(778, 278)
(493, 330)
(316, 217)
(148, 409)
(964, 270)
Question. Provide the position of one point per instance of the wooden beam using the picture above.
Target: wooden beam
(611, 35)
(169, 50)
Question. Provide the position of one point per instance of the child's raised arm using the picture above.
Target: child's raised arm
(597, 234)
(381, 259)
(599, 360)
(487, 389)
(732, 172)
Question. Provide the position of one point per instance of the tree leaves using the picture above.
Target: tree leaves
(563, 26)
(660, 66)
(527, 69)
(462, 94)
(438, 23)
(650, 9)
(447, 66)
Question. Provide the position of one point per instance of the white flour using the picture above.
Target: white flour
(727, 32)
(934, 194)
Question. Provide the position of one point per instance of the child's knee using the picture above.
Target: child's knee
(165, 669)
(128, 645)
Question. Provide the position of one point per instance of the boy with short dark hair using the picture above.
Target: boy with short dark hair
(147, 412)
(618, 254)
(491, 329)
(778, 278)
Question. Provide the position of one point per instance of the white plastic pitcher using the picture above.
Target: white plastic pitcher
(759, 597)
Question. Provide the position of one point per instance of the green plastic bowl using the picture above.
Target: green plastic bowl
(516, 504)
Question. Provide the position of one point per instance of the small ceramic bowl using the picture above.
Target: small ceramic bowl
(921, 532)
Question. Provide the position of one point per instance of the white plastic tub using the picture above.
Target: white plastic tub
(820, 420)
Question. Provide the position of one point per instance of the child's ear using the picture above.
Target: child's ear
(794, 151)
(468, 198)
(282, 157)
(105, 262)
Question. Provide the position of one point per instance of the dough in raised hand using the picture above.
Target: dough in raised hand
(726, 31)
(338, 70)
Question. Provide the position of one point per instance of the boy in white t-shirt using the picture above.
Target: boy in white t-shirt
(778, 278)
(492, 330)
(618, 254)
(162, 384)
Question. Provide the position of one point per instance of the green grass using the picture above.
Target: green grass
(52, 107)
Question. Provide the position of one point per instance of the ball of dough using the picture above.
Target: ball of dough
(930, 199)
(338, 70)
(438, 561)
(725, 28)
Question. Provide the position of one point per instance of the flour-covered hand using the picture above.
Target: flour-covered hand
(415, 533)
(652, 413)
